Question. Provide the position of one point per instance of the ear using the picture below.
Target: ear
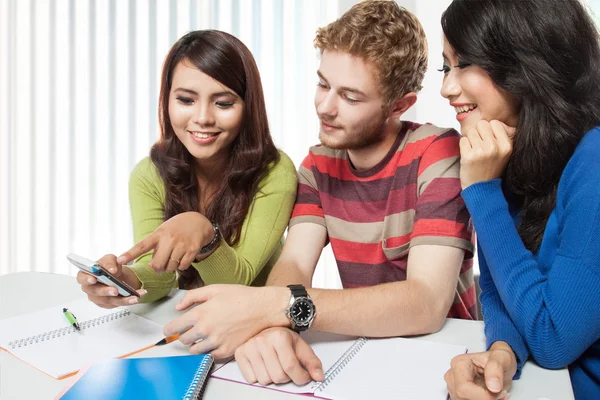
(399, 106)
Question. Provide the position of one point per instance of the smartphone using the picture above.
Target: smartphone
(102, 274)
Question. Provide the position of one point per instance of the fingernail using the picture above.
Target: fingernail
(319, 371)
(113, 293)
(91, 281)
(494, 384)
(142, 292)
(113, 270)
(504, 395)
(133, 301)
(120, 259)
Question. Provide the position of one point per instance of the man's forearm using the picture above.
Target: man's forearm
(287, 273)
(391, 309)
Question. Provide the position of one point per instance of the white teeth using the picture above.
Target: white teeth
(464, 109)
(202, 135)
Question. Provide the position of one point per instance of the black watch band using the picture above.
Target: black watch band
(214, 242)
(298, 290)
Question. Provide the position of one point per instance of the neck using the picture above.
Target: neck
(370, 156)
(208, 172)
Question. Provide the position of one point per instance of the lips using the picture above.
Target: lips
(204, 137)
(329, 128)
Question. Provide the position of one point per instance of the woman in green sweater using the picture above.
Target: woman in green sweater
(211, 203)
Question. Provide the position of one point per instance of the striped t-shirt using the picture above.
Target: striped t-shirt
(373, 217)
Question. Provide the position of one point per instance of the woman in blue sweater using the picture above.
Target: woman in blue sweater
(524, 78)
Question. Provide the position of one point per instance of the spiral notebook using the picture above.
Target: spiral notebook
(391, 368)
(153, 378)
(45, 339)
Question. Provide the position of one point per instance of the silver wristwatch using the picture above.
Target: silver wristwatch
(301, 311)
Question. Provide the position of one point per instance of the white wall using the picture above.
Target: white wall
(78, 99)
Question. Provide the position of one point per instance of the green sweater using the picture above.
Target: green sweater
(247, 263)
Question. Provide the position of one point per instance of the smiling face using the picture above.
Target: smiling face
(205, 115)
(473, 94)
(348, 102)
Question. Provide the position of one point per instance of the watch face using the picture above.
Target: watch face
(302, 311)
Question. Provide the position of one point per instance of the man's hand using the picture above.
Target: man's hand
(484, 152)
(482, 376)
(278, 355)
(226, 316)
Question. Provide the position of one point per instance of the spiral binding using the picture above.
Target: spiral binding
(66, 330)
(196, 388)
(340, 364)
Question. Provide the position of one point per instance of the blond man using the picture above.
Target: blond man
(385, 193)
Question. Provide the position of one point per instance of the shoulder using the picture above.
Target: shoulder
(428, 132)
(323, 158)
(588, 149)
(145, 172)
(583, 169)
(281, 173)
(284, 165)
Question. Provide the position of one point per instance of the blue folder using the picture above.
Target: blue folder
(164, 378)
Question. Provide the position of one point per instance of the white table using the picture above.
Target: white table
(25, 292)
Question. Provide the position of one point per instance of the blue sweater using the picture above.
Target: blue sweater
(546, 304)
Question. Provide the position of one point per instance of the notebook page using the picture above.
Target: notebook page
(68, 351)
(327, 346)
(394, 368)
(46, 320)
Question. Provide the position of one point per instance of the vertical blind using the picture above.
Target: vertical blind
(79, 83)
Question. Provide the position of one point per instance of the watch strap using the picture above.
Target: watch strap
(298, 290)
(214, 242)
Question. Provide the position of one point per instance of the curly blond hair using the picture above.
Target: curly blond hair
(386, 35)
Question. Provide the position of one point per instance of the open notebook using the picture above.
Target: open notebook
(45, 339)
(394, 368)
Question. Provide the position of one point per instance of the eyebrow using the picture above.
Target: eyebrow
(214, 95)
(344, 88)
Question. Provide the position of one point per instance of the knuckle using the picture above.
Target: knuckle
(288, 365)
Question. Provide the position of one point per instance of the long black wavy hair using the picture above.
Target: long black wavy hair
(546, 54)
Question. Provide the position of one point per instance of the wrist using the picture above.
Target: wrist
(130, 278)
(503, 346)
(279, 299)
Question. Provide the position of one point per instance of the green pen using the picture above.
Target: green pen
(71, 318)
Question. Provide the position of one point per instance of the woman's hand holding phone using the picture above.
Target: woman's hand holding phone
(107, 296)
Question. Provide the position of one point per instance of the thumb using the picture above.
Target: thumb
(309, 359)
(494, 375)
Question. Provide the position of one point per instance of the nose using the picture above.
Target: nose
(325, 104)
(450, 86)
(204, 115)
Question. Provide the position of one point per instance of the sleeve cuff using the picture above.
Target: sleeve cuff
(478, 196)
(218, 267)
(157, 285)
(514, 341)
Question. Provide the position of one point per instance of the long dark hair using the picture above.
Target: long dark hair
(226, 59)
(544, 53)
